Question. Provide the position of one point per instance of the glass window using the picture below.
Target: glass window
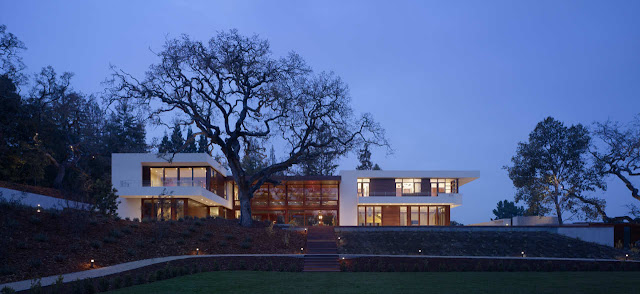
(200, 177)
(330, 195)
(166, 209)
(369, 215)
(156, 176)
(313, 195)
(185, 177)
(237, 214)
(403, 215)
(277, 196)
(179, 208)
(361, 217)
(170, 176)
(398, 189)
(432, 215)
(147, 209)
(377, 215)
(423, 216)
(441, 216)
(261, 196)
(295, 195)
(414, 216)
(214, 211)
(363, 187)
(408, 186)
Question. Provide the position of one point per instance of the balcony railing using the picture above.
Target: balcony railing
(394, 194)
(181, 183)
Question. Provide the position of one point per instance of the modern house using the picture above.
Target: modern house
(194, 184)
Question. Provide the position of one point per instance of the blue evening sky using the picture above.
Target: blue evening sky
(456, 84)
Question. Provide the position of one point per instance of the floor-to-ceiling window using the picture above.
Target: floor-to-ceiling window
(363, 187)
(370, 215)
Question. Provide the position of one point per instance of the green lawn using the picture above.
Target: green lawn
(404, 282)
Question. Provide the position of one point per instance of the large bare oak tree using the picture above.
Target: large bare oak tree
(233, 90)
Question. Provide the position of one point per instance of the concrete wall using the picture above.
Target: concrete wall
(522, 221)
(46, 202)
(600, 235)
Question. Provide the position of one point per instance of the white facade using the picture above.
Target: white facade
(126, 177)
(349, 199)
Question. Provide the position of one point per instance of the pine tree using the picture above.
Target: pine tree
(165, 145)
(191, 147)
(203, 145)
(176, 139)
(364, 155)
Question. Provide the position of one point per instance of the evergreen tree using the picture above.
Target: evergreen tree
(165, 145)
(507, 209)
(254, 157)
(124, 133)
(191, 146)
(203, 145)
(177, 141)
(364, 155)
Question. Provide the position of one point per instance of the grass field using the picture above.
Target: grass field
(405, 282)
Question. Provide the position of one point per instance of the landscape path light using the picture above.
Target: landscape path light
(626, 257)
(92, 262)
(420, 251)
(522, 253)
(197, 251)
(301, 250)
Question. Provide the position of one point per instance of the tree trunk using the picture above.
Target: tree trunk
(57, 182)
(245, 209)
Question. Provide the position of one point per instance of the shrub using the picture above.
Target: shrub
(128, 280)
(174, 272)
(198, 223)
(74, 247)
(126, 230)
(248, 239)
(93, 221)
(96, 244)
(117, 282)
(180, 241)
(229, 237)
(57, 285)
(293, 267)
(135, 219)
(131, 252)
(127, 218)
(7, 290)
(35, 262)
(36, 286)
(241, 265)
(203, 239)
(159, 275)
(59, 258)
(152, 278)
(109, 240)
(215, 266)
(22, 245)
(192, 229)
(5, 270)
(140, 279)
(185, 233)
(140, 243)
(245, 245)
(87, 284)
(223, 243)
(103, 285)
(208, 234)
(180, 219)
(35, 220)
(115, 233)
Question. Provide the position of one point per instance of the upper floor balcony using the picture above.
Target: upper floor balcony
(177, 189)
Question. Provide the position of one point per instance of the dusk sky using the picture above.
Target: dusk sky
(456, 84)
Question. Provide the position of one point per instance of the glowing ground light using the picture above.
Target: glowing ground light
(522, 253)
(197, 251)
(92, 262)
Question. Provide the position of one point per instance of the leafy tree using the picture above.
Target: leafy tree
(191, 144)
(551, 172)
(318, 165)
(67, 123)
(11, 63)
(455, 224)
(254, 157)
(105, 199)
(620, 157)
(376, 167)
(234, 91)
(507, 209)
